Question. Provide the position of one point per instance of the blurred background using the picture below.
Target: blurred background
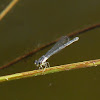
(32, 23)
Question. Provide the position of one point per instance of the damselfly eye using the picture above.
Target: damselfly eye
(35, 62)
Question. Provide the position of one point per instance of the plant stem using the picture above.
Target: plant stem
(50, 70)
(7, 9)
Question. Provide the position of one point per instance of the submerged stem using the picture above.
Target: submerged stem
(34, 51)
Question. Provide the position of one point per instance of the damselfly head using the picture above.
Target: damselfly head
(36, 63)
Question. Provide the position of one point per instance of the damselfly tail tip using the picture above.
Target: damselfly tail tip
(76, 38)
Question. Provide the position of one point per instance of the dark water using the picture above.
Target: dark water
(32, 23)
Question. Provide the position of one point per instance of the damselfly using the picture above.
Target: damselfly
(61, 44)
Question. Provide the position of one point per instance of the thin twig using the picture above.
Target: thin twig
(73, 34)
(50, 70)
(8, 8)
